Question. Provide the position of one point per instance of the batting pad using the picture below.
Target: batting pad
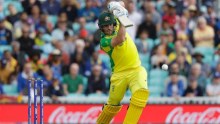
(138, 102)
(108, 112)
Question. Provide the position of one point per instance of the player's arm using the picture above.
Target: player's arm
(120, 37)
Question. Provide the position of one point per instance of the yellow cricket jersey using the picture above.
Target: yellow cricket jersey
(122, 57)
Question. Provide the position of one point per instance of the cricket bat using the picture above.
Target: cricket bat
(125, 21)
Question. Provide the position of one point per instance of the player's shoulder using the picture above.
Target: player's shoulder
(105, 41)
(105, 44)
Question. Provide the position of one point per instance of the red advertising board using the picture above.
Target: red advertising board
(80, 113)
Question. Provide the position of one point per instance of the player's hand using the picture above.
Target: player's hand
(117, 9)
(119, 13)
(113, 5)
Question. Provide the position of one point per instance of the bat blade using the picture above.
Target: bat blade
(125, 21)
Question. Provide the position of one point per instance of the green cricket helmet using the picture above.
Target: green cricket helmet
(106, 18)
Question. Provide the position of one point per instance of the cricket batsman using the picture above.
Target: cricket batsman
(127, 71)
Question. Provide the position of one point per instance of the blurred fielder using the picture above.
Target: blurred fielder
(127, 71)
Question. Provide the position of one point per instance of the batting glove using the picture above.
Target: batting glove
(117, 9)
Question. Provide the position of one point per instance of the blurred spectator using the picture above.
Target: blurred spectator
(44, 23)
(10, 60)
(22, 22)
(165, 27)
(6, 23)
(216, 56)
(58, 33)
(5, 34)
(148, 7)
(196, 72)
(7, 67)
(65, 57)
(191, 2)
(175, 87)
(82, 22)
(55, 61)
(70, 7)
(95, 60)
(165, 43)
(193, 15)
(48, 47)
(203, 34)
(143, 43)
(210, 15)
(164, 7)
(159, 58)
(13, 14)
(96, 81)
(181, 5)
(25, 75)
(159, 6)
(149, 26)
(28, 4)
(171, 17)
(179, 49)
(184, 65)
(182, 26)
(1, 90)
(97, 37)
(80, 56)
(73, 82)
(91, 13)
(134, 16)
(18, 54)
(217, 68)
(13, 77)
(104, 4)
(169, 33)
(193, 90)
(51, 7)
(183, 38)
(47, 76)
(69, 44)
(35, 14)
(4, 72)
(213, 89)
(215, 23)
(39, 38)
(176, 68)
(63, 16)
(83, 32)
(99, 4)
(26, 42)
(206, 70)
(89, 45)
(36, 62)
(55, 90)
(23, 18)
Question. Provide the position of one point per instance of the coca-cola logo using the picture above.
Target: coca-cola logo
(208, 116)
(60, 115)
